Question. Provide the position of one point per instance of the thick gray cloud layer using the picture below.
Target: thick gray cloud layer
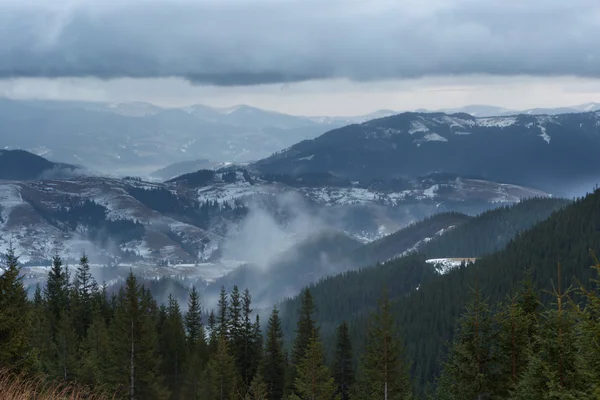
(243, 42)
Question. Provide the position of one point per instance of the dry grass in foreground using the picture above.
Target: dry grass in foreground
(17, 387)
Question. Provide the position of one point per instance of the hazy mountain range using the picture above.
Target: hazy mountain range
(349, 186)
(138, 138)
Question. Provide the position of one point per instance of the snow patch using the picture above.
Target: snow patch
(431, 191)
(544, 135)
(417, 126)
(434, 137)
(497, 122)
(444, 265)
(307, 158)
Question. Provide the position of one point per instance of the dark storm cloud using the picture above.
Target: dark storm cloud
(243, 42)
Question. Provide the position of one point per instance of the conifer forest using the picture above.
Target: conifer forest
(469, 334)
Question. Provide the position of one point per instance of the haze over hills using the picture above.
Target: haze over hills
(137, 138)
(22, 165)
(217, 220)
(495, 111)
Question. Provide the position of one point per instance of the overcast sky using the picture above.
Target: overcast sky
(327, 57)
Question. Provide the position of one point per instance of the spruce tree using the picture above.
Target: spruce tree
(95, 350)
(197, 348)
(15, 318)
(56, 292)
(213, 334)
(313, 380)
(383, 372)
(173, 348)
(467, 371)
(245, 349)
(257, 346)
(589, 340)
(222, 374)
(258, 389)
(273, 364)
(513, 345)
(41, 332)
(193, 320)
(134, 346)
(66, 362)
(343, 370)
(223, 328)
(556, 369)
(305, 329)
(85, 287)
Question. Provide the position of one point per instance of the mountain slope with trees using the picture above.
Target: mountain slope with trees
(522, 149)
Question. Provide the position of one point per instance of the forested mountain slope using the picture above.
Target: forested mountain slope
(491, 230)
(545, 151)
(427, 315)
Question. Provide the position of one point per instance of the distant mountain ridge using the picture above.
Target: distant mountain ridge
(22, 165)
(546, 151)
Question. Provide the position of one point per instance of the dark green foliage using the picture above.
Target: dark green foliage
(273, 366)
(56, 291)
(134, 348)
(14, 317)
(65, 363)
(213, 338)
(246, 337)
(95, 348)
(383, 371)
(84, 289)
(516, 321)
(492, 230)
(589, 340)
(313, 378)
(393, 245)
(223, 323)
(134, 354)
(343, 368)
(306, 328)
(172, 345)
(468, 369)
(221, 373)
(556, 369)
(193, 320)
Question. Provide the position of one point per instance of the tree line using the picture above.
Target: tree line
(127, 346)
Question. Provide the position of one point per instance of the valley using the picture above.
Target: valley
(362, 207)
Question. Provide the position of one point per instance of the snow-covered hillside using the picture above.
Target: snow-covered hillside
(125, 220)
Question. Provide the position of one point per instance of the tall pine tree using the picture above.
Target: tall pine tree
(223, 326)
(222, 375)
(134, 346)
(56, 292)
(556, 369)
(305, 329)
(343, 370)
(513, 345)
(95, 350)
(273, 364)
(313, 380)
(15, 321)
(383, 372)
(85, 287)
(173, 347)
(467, 371)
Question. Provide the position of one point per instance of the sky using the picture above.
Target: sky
(310, 57)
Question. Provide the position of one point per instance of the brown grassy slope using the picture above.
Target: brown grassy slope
(15, 387)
